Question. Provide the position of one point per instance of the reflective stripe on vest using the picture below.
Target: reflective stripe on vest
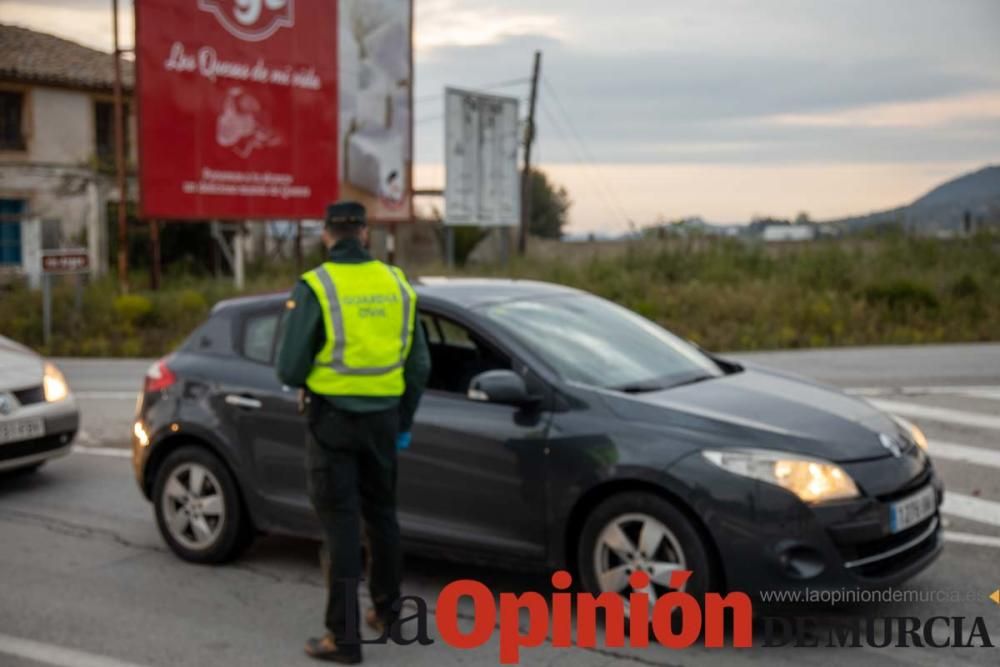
(369, 292)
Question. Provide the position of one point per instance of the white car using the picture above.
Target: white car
(38, 415)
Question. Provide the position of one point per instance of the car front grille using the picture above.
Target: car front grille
(30, 396)
(912, 486)
(884, 567)
(17, 450)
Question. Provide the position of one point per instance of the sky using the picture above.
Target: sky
(730, 109)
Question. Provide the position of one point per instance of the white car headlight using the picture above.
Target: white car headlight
(54, 384)
(916, 435)
(812, 480)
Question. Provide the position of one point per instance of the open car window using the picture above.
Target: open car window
(458, 354)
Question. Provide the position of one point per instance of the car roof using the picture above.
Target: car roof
(462, 292)
(474, 292)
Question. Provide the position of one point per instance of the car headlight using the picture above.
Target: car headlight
(54, 384)
(916, 435)
(812, 480)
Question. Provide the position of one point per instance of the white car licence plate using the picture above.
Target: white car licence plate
(21, 429)
(910, 511)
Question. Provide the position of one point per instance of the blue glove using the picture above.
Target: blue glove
(403, 440)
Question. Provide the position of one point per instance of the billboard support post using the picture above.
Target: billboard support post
(298, 246)
(120, 157)
(46, 309)
(239, 266)
(449, 246)
(529, 139)
(154, 254)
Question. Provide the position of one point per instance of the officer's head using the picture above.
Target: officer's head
(345, 220)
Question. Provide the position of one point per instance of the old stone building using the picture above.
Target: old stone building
(56, 147)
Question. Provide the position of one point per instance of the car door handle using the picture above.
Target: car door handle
(245, 402)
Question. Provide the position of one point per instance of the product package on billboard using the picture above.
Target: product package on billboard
(375, 89)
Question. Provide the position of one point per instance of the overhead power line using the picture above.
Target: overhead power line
(583, 153)
(496, 85)
(591, 175)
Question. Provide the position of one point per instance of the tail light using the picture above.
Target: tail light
(159, 377)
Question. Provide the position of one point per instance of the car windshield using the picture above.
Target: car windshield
(590, 340)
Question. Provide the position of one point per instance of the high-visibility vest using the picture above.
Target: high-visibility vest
(369, 311)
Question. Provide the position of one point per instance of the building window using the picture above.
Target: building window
(104, 117)
(11, 121)
(11, 211)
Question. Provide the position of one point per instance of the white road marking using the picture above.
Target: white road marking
(108, 395)
(989, 392)
(112, 452)
(972, 538)
(84, 437)
(58, 656)
(971, 508)
(946, 415)
(951, 451)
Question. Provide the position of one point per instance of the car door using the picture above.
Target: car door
(268, 422)
(474, 474)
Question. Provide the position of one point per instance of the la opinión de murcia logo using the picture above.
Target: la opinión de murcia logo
(251, 20)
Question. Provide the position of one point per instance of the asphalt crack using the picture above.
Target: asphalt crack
(73, 529)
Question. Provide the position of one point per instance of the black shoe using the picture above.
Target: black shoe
(325, 648)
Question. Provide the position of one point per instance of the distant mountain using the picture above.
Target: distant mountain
(972, 198)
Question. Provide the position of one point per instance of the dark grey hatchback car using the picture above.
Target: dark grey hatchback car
(558, 430)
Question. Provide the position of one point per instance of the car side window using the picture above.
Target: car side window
(455, 335)
(458, 355)
(259, 334)
(430, 329)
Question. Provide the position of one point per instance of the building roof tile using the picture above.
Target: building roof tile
(31, 56)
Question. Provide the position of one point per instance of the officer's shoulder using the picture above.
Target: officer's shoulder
(301, 292)
(395, 269)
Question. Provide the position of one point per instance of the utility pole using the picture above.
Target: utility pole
(120, 157)
(529, 139)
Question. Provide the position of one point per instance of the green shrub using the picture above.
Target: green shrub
(902, 295)
(133, 308)
(724, 294)
(966, 287)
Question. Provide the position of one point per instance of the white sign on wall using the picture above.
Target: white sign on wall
(482, 183)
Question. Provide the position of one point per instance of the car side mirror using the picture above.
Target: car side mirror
(502, 386)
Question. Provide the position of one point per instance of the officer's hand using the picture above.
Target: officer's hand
(403, 440)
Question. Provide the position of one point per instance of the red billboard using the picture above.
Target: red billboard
(237, 108)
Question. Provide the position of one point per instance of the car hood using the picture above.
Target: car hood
(20, 368)
(765, 409)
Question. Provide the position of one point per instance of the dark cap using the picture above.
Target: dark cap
(345, 213)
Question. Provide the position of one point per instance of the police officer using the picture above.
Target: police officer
(352, 340)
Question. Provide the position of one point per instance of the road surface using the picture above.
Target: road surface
(86, 579)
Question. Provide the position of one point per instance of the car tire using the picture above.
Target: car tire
(198, 507)
(604, 559)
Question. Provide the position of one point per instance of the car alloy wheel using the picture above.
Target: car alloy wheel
(199, 508)
(637, 542)
(194, 506)
(641, 531)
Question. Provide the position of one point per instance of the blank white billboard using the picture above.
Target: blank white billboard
(482, 183)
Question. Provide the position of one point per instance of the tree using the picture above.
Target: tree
(550, 206)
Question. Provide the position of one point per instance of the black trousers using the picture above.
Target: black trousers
(351, 466)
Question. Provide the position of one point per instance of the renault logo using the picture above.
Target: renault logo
(892, 444)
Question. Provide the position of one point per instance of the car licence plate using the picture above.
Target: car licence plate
(21, 429)
(910, 511)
